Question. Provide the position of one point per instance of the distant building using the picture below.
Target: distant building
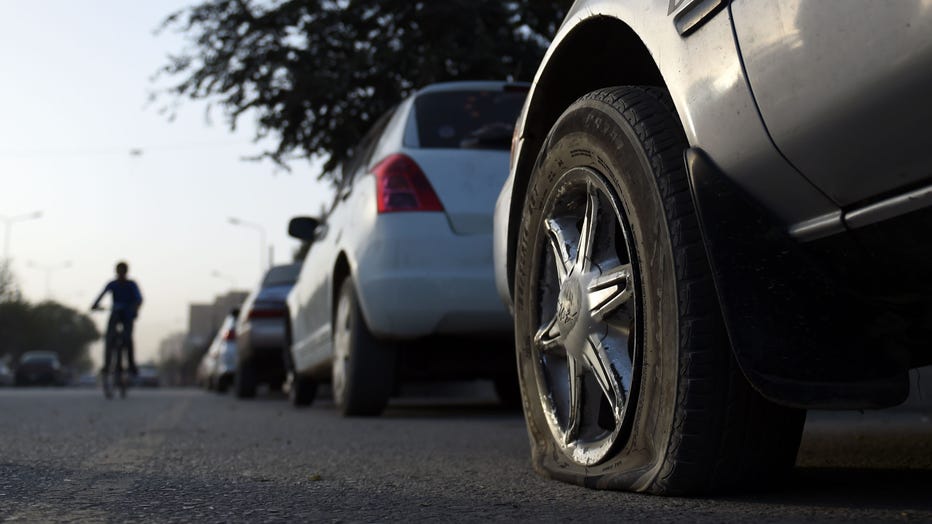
(204, 319)
(171, 347)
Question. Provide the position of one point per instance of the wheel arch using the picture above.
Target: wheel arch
(341, 271)
(580, 63)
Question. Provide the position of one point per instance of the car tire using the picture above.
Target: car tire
(245, 383)
(223, 384)
(303, 391)
(625, 367)
(363, 368)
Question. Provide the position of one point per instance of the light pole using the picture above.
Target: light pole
(8, 225)
(237, 222)
(48, 274)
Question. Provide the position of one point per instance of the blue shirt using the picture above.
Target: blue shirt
(124, 293)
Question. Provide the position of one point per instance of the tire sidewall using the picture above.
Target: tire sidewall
(591, 134)
(348, 296)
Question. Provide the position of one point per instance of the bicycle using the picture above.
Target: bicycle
(115, 375)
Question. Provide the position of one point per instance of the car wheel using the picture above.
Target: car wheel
(625, 368)
(363, 368)
(223, 384)
(245, 382)
(303, 391)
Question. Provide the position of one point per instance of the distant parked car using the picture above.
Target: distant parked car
(203, 371)
(39, 368)
(399, 282)
(6, 375)
(218, 366)
(260, 332)
(148, 376)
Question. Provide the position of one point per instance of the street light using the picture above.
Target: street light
(222, 276)
(48, 274)
(237, 222)
(8, 223)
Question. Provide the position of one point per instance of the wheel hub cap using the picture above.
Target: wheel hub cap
(585, 342)
(573, 321)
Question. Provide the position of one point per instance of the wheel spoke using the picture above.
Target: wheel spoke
(610, 290)
(547, 337)
(587, 231)
(558, 245)
(575, 401)
(598, 361)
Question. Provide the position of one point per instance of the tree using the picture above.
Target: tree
(9, 291)
(317, 73)
(47, 326)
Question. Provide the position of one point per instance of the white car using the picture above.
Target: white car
(399, 283)
(217, 369)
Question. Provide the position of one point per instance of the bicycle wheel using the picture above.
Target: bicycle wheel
(119, 372)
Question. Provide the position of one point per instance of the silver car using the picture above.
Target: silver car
(217, 368)
(260, 332)
(716, 218)
(399, 281)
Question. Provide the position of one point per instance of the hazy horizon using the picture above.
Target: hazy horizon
(115, 180)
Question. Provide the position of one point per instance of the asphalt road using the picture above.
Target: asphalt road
(187, 455)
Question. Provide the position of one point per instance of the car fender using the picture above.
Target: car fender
(605, 43)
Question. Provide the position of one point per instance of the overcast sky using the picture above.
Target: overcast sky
(74, 85)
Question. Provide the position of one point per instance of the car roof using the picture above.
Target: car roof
(467, 85)
(39, 354)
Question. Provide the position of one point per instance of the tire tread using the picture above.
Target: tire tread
(725, 434)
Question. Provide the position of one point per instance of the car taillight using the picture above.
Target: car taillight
(230, 336)
(266, 313)
(402, 186)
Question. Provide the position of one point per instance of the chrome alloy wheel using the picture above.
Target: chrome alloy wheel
(587, 315)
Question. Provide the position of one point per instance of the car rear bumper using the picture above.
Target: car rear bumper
(415, 277)
(264, 335)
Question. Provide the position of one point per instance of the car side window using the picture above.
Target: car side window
(363, 152)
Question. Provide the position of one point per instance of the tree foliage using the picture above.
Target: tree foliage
(317, 73)
(48, 326)
(9, 291)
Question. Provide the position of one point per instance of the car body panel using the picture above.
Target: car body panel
(823, 103)
(471, 191)
(704, 75)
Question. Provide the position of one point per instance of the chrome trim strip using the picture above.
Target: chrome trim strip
(890, 208)
(694, 14)
(818, 227)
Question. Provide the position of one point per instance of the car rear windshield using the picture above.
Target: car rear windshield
(467, 119)
(282, 275)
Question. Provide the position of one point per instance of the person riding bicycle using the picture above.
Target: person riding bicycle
(126, 299)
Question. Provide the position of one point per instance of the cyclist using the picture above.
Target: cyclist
(126, 299)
